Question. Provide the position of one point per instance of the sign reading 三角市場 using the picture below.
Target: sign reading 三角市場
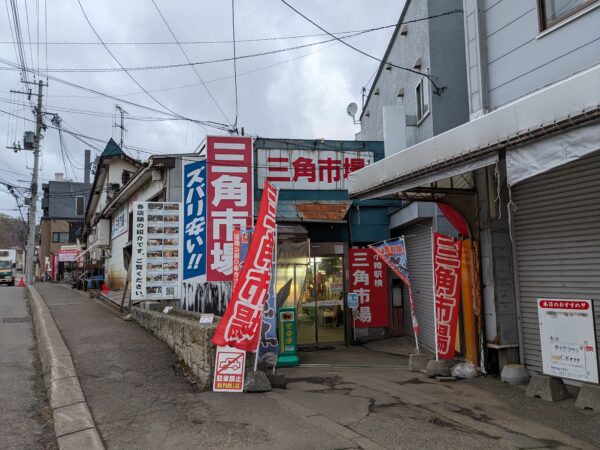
(229, 200)
(567, 338)
(446, 287)
(309, 169)
(368, 279)
(156, 271)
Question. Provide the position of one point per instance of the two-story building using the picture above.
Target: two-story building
(531, 149)
(63, 206)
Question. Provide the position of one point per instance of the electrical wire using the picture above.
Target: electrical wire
(214, 100)
(238, 41)
(212, 61)
(118, 62)
(207, 123)
(437, 90)
(235, 84)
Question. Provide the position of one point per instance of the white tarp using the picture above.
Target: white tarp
(567, 98)
(546, 154)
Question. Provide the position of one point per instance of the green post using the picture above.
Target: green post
(288, 356)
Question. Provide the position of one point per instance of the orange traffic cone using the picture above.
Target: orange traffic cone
(21, 282)
(105, 288)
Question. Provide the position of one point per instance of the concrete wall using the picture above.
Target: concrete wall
(190, 341)
(517, 58)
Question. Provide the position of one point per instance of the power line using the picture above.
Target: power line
(213, 61)
(437, 90)
(117, 61)
(208, 123)
(226, 41)
(234, 64)
(189, 61)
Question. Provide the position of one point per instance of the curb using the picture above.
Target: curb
(73, 423)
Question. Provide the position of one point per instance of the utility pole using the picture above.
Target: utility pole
(30, 255)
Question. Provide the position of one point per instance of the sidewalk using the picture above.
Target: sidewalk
(345, 398)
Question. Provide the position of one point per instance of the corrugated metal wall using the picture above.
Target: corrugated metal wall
(557, 243)
(418, 247)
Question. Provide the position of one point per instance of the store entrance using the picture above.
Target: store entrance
(321, 305)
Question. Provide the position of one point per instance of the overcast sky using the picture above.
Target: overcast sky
(295, 94)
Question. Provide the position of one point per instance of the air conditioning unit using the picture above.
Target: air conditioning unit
(103, 233)
(28, 140)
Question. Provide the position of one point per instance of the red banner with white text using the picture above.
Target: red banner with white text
(368, 278)
(240, 325)
(229, 200)
(446, 284)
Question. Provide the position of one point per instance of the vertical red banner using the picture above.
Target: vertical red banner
(230, 196)
(446, 284)
(368, 278)
(240, 325)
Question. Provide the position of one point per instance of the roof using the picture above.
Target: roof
(559, 106)
(112, 149)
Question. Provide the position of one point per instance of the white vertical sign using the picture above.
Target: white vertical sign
(568, 339)
(140, 231)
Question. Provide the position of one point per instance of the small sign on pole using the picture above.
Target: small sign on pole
(352, 300)
(229, 370)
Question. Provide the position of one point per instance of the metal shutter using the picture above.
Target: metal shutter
(557, 243)
(418, 248)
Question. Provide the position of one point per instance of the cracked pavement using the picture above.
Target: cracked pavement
(139, 399)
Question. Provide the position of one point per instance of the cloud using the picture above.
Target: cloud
(299, 97)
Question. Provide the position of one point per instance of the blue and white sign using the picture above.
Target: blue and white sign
(352, 300)
(194, 221)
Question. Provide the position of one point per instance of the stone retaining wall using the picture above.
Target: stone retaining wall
(190, 341)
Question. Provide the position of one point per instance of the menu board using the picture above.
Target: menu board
(157, 250)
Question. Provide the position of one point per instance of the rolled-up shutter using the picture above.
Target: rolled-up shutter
(557, 241)
(418, 249)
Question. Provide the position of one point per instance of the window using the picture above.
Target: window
(422, 94)
(60, 237)
(554, 11)
(79, 204)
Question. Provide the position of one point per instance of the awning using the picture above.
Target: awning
(313, 210)
(553, 151)
(562, 105)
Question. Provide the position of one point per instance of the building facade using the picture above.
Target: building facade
(317, 225)
(63, 209)
(530, 150)
(403, 108)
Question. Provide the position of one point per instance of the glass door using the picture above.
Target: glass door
(316, 290)
(329, 299)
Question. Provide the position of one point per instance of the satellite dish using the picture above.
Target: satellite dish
(352, 109)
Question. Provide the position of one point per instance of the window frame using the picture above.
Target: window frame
(422, 93)
(59, 234)
(548, 24)
(82, 197)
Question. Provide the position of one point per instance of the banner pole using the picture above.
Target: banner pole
(411, 318)
(434, 308)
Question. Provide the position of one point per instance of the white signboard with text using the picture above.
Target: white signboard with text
(309, 169)
(568, 339)
(119, 222)
(156, 270)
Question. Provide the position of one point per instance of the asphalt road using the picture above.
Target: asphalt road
(25, 416)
